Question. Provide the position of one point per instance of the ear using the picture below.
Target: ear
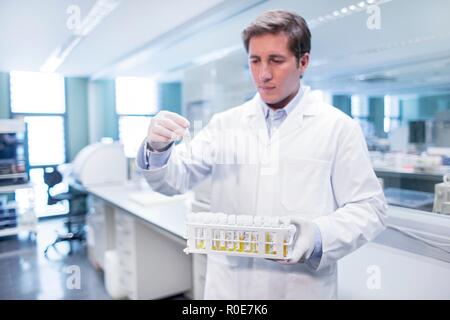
(304, 62)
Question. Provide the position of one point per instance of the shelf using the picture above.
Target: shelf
(13, 231)
(14, 187)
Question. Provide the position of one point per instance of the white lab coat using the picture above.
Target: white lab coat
(315, 165)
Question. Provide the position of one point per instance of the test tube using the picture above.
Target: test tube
(248, 221)
(187, 141)
(285, 223)
(214, 220)
(208, 218)
(199, 231)
(240, 221)
(268, 238)
(275, 223)
(257, 222)
(222, 222)
(230, 236)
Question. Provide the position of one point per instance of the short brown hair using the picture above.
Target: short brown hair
(274, 22)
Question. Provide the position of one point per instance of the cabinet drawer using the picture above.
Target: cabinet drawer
(127, 282)
(125, 246)
(124, 221)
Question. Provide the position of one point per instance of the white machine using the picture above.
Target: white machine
(442, 196)
(100, 163)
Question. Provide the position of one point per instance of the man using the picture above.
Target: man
(284, 153)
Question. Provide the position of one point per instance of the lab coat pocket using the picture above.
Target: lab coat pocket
(305, 183)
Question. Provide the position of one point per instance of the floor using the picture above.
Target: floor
(25, 272)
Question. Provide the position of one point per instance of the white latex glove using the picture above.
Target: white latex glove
(304, 241)
(165, 128)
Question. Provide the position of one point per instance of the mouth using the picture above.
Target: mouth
(266, 89)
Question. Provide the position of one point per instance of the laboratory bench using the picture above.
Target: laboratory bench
(149, 240)
(147, 236)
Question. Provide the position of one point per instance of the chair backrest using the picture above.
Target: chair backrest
(51, 178)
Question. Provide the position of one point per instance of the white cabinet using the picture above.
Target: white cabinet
(152, 264)
(101, 230)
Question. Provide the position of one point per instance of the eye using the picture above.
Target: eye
(254, 61)
(278, 61)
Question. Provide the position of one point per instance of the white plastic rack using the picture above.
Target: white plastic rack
(241, 235)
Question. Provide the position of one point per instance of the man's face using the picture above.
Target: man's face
(274, 68)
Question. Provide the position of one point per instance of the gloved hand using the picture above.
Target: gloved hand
(304, 241)
(165, 128)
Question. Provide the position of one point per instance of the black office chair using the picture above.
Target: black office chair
(75, 223)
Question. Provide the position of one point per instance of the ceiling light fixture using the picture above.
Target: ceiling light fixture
(100, 10)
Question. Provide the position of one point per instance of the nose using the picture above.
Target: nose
(265, 74)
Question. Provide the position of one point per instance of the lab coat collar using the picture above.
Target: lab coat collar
(305, 106)
(254, 117)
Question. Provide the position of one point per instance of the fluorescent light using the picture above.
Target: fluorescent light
(100, 10)
(344, 10)
(352, 7)
(336, 13)
(362, 4)
(59, 55)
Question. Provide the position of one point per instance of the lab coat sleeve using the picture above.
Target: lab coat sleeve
(182, 172)
(362, 208)
(155, 159)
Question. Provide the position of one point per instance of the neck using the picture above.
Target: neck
(283, 103)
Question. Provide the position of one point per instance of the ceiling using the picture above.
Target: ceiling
(31, 30)
(410, 50)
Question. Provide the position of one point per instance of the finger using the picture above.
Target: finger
(154, 137)
(286, 262)
(172, 126)
(165, 132)
(182, 121)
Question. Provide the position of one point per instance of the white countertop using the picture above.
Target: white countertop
(169, 215)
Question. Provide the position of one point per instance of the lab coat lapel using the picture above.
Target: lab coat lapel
(254, 122)
(294, 121)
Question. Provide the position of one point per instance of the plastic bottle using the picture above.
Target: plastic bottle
(229, 235)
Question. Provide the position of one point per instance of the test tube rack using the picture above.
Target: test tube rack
(246, 241)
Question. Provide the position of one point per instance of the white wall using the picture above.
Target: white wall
(402, 275)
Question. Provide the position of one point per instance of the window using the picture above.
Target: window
(34, 92)
(39, 98)
(136, 101)
(136, 96)
(45, 140)
(132, 131)
(391, 113)
(360, 112)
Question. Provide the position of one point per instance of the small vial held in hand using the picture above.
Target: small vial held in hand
(187, 142)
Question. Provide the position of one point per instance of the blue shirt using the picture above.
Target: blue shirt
(274, 119)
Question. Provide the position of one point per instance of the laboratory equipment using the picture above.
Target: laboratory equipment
(442, 196)
(14, 168)
(242, 235)
(100, 163)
